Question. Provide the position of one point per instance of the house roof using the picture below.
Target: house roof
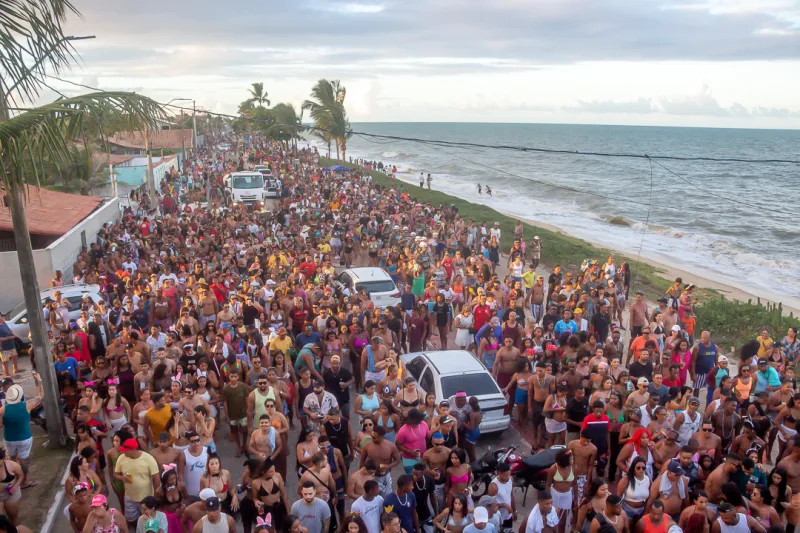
(50, 212)
(115, 159)
(168, 139)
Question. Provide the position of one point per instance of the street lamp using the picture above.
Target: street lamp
(45, 56)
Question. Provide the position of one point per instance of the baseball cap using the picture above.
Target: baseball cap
(722, 359)
(151, 524)
(212, 504)
(762, 361)
(128, 445)
(675, 467)
(99, 500)
(643, 381)
(487, 500)
(676, 327)
(207, 493)
(694, 400)
(480, 515)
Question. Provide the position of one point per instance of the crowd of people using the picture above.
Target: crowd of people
(220, 321)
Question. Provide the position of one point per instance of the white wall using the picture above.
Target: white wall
(58, 256)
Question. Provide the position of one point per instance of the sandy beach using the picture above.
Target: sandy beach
(790, 305)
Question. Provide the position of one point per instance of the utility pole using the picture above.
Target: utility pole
(194, 124)
(151, 181)
(56, 428)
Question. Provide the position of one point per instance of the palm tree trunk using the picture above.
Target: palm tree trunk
(56, 429)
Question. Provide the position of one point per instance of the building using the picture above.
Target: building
(60, 224)
(132, 142)
(133, 171)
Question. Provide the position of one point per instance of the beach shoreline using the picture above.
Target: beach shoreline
(670, 273)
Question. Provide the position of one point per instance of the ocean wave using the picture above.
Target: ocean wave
(401, 155)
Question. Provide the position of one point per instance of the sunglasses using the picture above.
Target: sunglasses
(708, 430)
(262, 382)
(638, 468)
(194, 441)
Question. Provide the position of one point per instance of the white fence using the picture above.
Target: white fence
(60, 255)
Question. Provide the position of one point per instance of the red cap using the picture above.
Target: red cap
(128, 445)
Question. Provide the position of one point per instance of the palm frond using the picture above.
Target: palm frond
(44, 133)
(31, 32)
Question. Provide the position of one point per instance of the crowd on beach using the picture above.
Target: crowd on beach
(222, 321)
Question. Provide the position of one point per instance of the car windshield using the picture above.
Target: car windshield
(18, 309)
(248, 182)
(478, 384)
(273, 184)
(384, 285)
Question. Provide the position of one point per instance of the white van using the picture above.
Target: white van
(378, 284)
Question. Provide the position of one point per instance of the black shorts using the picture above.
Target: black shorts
(537, 409)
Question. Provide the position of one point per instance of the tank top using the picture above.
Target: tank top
(195, 468)
(113, 528)
(705, 358)
(369, 404)
(688, 428)
(503, 496)
(260, 399)
(219, 527)
(640, 492)
(16, 422)
(740, 527)
(661, 528)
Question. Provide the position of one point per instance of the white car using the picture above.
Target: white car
(18, 317)
(261, 168)
(444, 373)
(378, 284)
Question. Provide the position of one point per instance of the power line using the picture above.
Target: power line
(456, 144)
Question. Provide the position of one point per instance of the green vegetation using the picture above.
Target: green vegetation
(728, 320)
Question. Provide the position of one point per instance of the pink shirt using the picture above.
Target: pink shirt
(413, 438)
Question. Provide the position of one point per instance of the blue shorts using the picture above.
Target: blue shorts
(472, 435)
(520, 396)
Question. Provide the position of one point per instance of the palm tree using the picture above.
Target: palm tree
(258, 95)
(287, 125)
(327, 110)
(79, 175)
(33, 31)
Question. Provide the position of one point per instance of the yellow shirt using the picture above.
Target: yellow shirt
(528, 279)
(324, 247)
(158, 419)
(141, 470)
(277, 344)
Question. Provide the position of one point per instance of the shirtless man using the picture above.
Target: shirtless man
(674, 491)
(320, 475)
(746, 440)
(161, 310)
(380, 358)
(355, 484)
(640, 396)
(613, 515)
(721, 475)
(583, 464)
(187, 320)
(195, 512)
(265, 441)
(668, 448)
(80, 507)
(435, 460)
(708, 443)
(539, 387)
(115, 349)
(385, 455)
(505, 364)
(726, 422)
(164, 453)
(192, 400)
(208, 306)
(572, 378)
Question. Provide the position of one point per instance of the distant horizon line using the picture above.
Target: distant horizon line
(576, 124)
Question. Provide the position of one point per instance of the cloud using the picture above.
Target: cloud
(361, 8)
(702, 103)
(642, 105)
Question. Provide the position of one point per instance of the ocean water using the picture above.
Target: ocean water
(736, 223)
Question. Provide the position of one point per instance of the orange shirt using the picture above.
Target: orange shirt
(637, 346)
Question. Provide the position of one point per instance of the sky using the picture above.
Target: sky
(716, 63)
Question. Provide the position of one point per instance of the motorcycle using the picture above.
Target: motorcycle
(526, 472)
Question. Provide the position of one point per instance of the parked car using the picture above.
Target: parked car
(378, 284)
(444, 373)
(18, 317)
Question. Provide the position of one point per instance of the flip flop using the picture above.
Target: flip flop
(29, 484)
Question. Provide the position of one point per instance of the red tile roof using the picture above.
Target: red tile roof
(50, 212)
(116, 159)
(168, 139)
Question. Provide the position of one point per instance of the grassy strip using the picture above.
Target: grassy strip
(729, 320)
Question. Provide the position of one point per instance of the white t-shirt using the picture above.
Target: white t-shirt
(126, 265)
(370, 512)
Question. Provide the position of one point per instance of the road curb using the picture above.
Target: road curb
(57, 502)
